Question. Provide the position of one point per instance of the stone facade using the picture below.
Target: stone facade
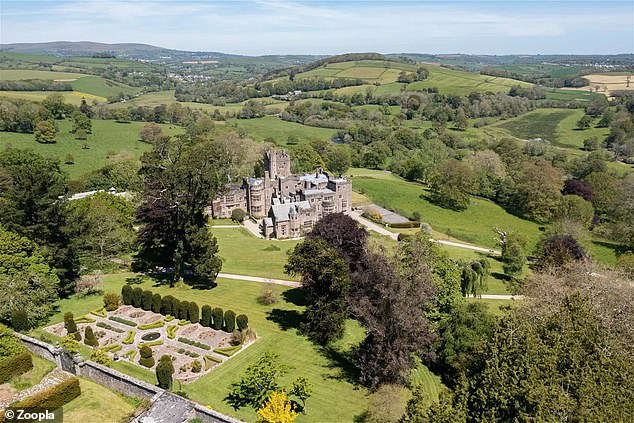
(289, 205)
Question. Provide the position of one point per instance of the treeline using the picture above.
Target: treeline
(35, 85)
(348, 57)
(220, 93)
(545, 80)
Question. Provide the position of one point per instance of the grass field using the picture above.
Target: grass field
(98, 404)
(450, 81)
(273, 127)
(72, 97)
(335, 398)
(41, 368)
(370, 71)
(93, 85)
(244, 254)
(108, 138)
(609, 82)
(474, 225)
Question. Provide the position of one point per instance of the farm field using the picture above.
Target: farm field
(108, 139)
(273, 127)
(609, 82)
(457, 82)
(244, 254)
(369, 71)
(72, 97)
(93, 85)
(276, 326)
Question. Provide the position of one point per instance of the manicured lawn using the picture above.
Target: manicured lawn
(107, 139)
(273, 127)
(98, 404)
(41, 368)
(335, 398)
(244, 254)
(474, 225)
(496, 307)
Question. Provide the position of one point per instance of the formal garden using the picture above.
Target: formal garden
(146, 327)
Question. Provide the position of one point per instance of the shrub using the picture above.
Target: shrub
(54, 397)
(85, 319)
(146, 300)
(101, 312)
(19, 320)
(122, 320)
(176, 306)
(166, 305)
(151, 343)
(238, 215)
(268, 295)
(205, 319)
(156, 303)
(171, 331)
(194, 343)
(242, 321)
(15, 365)
(184, 323)
(218, 318)
(101, 356)
(137, 297)
(164, 372)
(146, 356)
(70, 344)
(230, 321)
(168, 318)
(89, 337)
(193, 314)
(77, 336)
(126, 294)
(69, 322)
(111, 301)
(130, 355)
(153, 325)
(183, 310)
(228, 351)
(129, 337)
(112, 348)
(404, 225)
(196, 366)
(109, 327)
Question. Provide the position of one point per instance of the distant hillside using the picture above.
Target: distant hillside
(82, 48)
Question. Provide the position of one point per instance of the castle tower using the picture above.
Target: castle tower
(279, 164)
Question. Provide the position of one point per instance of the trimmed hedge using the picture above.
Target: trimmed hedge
(171, 331)
(112, 348)
(183, 310)
(242, 321)
(211, 359)
(146, 300)
(218, 318)
(230, 321)
(107, 326)
(137, 294)
(146, 356)
(404, 225)
(153, 325)
(193, 314)
(54, 397)
(157, 303)
(184, 323)
(15, 365)
(228, 351)
(122, 320)
(89, 337)
(126, 294)
(101, 312)
(130, 354)
(151, 343)
(194, 343)
(129, 338)
(169, 318)
(85, 319)
(205, 319)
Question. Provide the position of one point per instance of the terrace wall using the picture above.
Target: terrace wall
(121, 382)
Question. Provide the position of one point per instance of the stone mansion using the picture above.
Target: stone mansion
(287, 205)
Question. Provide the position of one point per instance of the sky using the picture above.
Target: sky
(330, 27)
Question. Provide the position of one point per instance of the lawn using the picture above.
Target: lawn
(273, 127)
(108, 138)
(41, 368)
(474, 225)
(457, 82)
(335, 398)
(244, 254)
(99, 404)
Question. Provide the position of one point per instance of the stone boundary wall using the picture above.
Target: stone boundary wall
(120, 382)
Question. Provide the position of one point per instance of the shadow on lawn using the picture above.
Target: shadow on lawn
(286, 319)
(295, 296)
(341, 361)
(162, 279)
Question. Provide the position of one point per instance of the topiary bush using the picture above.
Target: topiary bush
(146, 300)
(126, 294)
(196, 366)
(146, 356)
(111, 301)
(205, 319)
(166, 305)
(89, 337)
(156, 303)
(69, 322)
(183, 310)
(176, 306)
(193, 314)
(218, 318)
(242, 321)
(137, 297)
(230, 321)
(164, 372)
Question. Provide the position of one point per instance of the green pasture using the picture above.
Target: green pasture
(72, 97)
(108, 138)
(273, 127)
(24, 74)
